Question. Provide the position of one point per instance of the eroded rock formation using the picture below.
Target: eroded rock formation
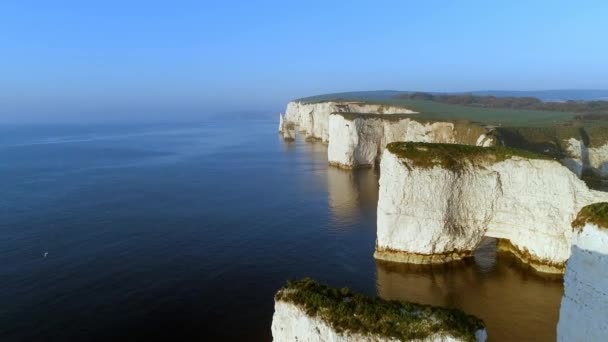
(437, 201)
(359, 140)
(358, 132)
(313, 118)
(582, 314)
(583, 157)
(308, 311)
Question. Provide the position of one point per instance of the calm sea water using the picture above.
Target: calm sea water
(184, 232)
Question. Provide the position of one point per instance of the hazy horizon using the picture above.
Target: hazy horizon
(112, 61)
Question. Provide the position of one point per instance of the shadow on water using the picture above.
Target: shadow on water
(515, 303)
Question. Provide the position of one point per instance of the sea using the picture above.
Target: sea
(185, 231)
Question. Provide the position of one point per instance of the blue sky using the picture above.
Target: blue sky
(106, 59)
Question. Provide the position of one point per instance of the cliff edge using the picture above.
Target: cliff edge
(582, 315)
(308, 311)
(437, 201)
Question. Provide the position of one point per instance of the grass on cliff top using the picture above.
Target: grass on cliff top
(346, 311)
(431, 110)
(386, 117)
(596, 213)
(455, 156)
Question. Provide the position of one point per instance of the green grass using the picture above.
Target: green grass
(455, 157)
(346, 311)
(596, 213)
(534, 130)
(431, 110)
(489, 116)
(387, 117)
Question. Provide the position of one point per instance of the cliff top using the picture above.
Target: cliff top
(344, 310)
(530, 122)
(386, 117)
(454, 156)
(596, 213)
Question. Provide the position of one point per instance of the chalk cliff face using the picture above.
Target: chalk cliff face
(359, 140)
(439, 211)
(313, 118)
(341, 316)
(582, 314)
(582, 157)
(291, 323)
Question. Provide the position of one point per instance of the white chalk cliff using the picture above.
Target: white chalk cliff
(437, 213)
(358, 132)
(290, 323)
(295, 320)
(313, 118)
(583, 315)
(359, 140)
(581, 156)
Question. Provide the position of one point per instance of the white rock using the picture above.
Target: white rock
(583, 312)
(361, 141)
(435, 214)
(485, 140)
(281, 122)
(290, 323)
(582, 157)
(313, 119)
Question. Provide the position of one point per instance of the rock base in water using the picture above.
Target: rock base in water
(437, 201)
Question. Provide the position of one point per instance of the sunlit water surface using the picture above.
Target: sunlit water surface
(184, 232)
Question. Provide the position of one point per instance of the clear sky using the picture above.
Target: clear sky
(106, 59)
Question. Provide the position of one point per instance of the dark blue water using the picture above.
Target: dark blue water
(184, 232)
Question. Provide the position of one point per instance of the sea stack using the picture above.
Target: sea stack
(437, 201)
(582, 315)
(359, 140)
(308, 311)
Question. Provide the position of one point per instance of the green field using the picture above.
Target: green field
(431, 110)
(490, 116)
(539, 131)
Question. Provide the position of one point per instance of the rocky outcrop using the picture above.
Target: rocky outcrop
(583, 157)
(437, 201)
(358, 140)
(582, 314)
(308, 311)
(313, 118)
(357, 132)
(281, 123)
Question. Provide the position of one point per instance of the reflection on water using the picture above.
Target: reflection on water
(515, 303)
(351, 191)
(175, 233)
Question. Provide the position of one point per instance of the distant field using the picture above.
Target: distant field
(494, 116)
(435, 111)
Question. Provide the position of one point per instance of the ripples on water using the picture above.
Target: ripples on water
(174, 232)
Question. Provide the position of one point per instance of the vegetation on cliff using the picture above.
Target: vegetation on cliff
(596, 213)
(346, 311)
(593, 110)
(520, 122)
(455, 157)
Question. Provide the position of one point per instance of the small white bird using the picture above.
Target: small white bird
(45, 254)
